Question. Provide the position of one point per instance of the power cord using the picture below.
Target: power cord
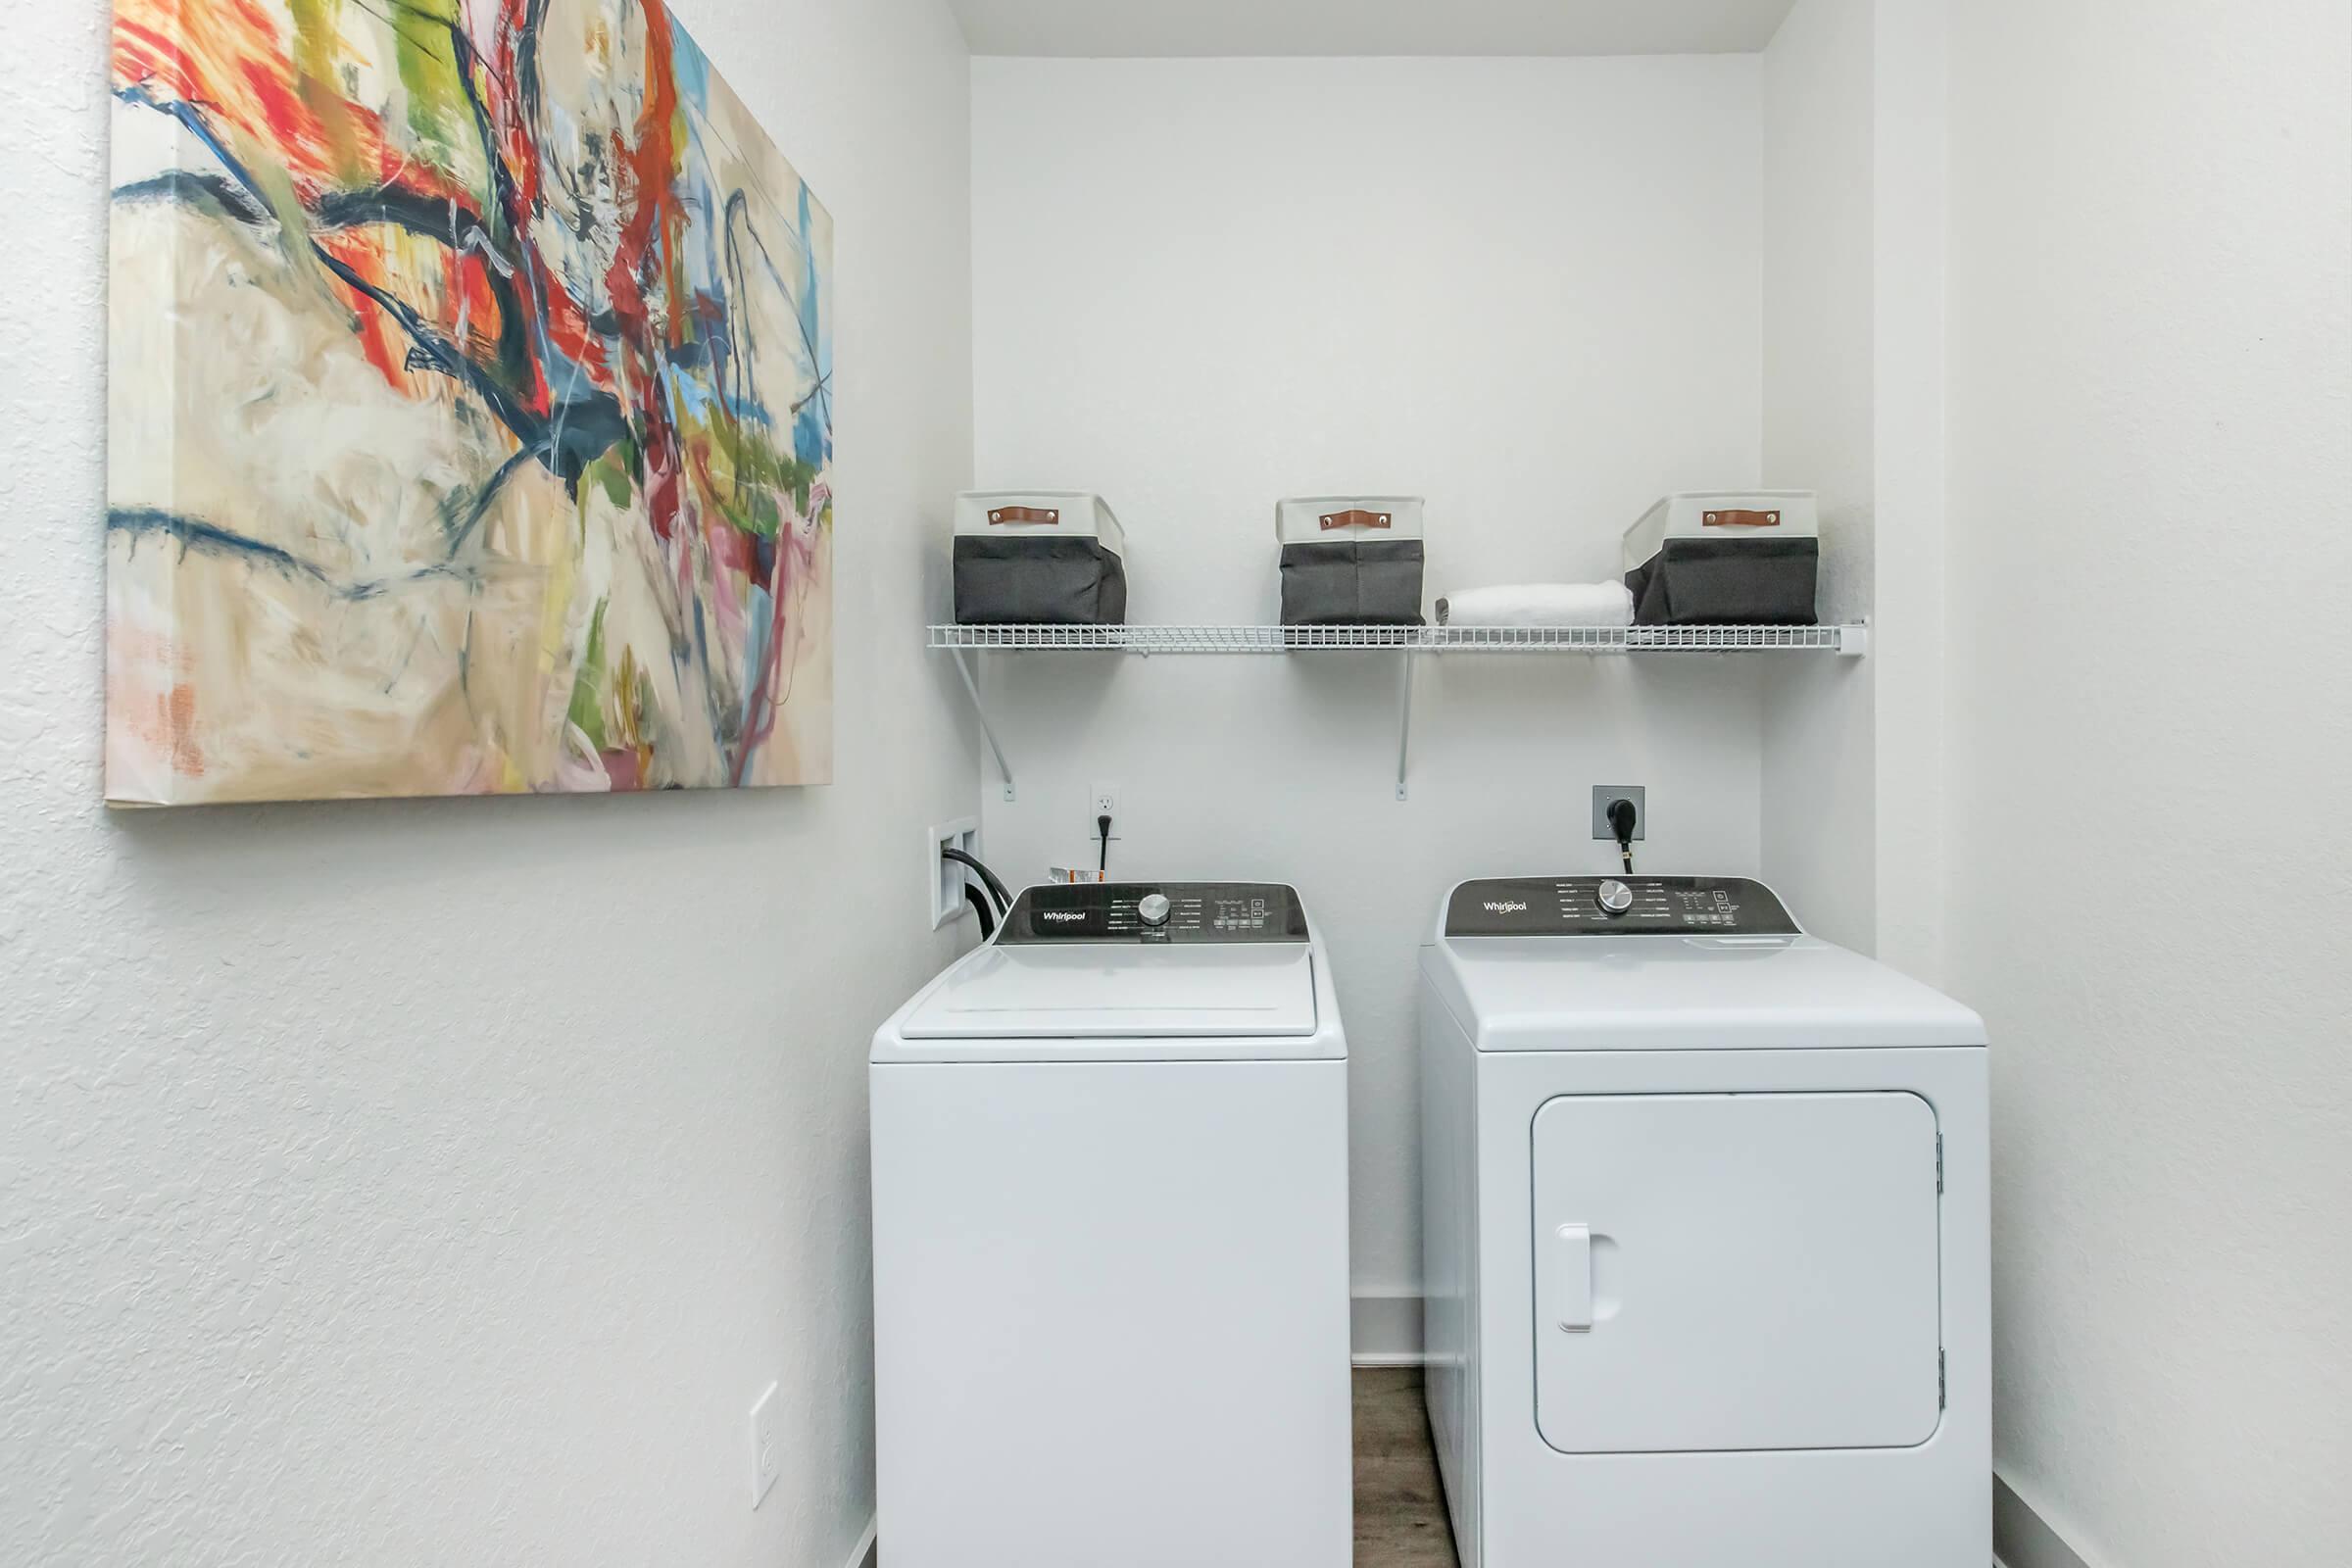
(1622, 819)
(1103, 827)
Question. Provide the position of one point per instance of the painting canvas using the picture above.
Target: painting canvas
(470, 409)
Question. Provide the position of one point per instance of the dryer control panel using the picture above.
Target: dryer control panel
(1617, 906)
(1158, 912)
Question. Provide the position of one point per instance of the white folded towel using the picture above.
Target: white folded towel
(1539, 604)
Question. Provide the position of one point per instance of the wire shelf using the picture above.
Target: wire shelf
(1836, 639)
(1406, 641)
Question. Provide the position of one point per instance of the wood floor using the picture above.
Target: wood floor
(1400, 1505)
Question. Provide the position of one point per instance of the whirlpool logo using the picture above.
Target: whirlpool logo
(1506, 905)
(1062, 916)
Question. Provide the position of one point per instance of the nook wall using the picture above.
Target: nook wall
(1528, 289)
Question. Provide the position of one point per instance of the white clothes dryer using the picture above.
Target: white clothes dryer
(1705, 1222)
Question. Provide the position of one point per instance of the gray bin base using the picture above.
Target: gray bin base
(1755, 583)
(1031, 581)
(1368, 582)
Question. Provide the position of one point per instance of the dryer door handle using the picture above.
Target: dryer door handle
(1575, 1265)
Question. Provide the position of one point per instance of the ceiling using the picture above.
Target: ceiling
(1122, 27)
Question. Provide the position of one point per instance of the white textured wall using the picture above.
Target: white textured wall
(440, 1182)
(2151, 855)
(1526, 289)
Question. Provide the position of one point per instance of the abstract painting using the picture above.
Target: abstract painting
(470, 409)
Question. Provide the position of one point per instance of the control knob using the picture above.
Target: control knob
(1613, 897)
(1152, 909)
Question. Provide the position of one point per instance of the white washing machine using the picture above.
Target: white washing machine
(1704, 1207)
(1110, 1241)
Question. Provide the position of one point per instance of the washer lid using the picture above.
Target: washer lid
(1088, 991)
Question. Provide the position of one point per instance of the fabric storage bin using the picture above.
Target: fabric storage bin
(1725, 556)
(1350, 559)
(1038, 557)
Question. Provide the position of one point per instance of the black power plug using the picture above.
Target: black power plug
(1623, 819)
(1103, 827)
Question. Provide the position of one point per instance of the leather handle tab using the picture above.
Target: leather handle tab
(1358, 519)
(1733, 519)
(1045, 515)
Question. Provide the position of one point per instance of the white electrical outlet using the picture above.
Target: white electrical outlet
(765, 1460)
(1103, 800)
(946, 878)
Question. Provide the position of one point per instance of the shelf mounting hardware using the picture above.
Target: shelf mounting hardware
(1405, 719)
(971, 684)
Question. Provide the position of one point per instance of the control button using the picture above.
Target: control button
(1613, 897)
(1152, 909)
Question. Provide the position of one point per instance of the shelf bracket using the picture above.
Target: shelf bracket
(1405, 719)
(971, 684)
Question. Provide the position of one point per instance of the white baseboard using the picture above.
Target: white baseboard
(2022, 1538)
(868, 1554)
(1385, 1330)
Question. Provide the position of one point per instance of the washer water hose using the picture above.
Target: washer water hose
(986, 910)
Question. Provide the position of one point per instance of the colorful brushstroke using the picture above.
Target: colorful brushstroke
(472, 409)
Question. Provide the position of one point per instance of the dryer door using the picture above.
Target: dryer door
(1718, 1272)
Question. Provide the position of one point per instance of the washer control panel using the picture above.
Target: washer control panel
(1617, 906)
(1158, 912)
